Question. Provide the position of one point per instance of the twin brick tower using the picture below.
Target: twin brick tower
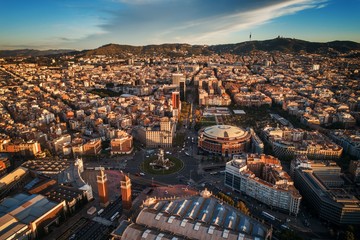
(125, 184)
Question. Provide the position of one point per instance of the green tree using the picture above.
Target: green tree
(109, 85)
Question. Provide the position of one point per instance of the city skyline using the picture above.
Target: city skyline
(245, 141)
(84, 25)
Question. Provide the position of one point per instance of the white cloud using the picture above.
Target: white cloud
(221, 26)
(321, 6)
(194, 21)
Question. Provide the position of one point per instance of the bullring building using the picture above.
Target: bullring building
(224, 140)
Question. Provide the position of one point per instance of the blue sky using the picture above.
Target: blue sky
(84, 24)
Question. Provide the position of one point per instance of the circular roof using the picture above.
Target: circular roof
(224, 131)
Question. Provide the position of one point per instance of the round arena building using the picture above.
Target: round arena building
(224, 140)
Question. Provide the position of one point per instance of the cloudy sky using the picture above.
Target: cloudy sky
(84, 24)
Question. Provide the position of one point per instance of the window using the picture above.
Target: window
(211, 230)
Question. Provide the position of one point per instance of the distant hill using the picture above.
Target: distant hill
(33, 52)
(171, 50)
(287, 45)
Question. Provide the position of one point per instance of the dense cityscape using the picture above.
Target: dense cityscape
(180, 120)
(262, 145)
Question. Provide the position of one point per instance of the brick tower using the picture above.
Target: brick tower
(103, 188)
(126, 191)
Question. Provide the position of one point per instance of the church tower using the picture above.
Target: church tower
(103, 188)
(126, 191)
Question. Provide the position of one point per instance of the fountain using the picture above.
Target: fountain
(161, 162)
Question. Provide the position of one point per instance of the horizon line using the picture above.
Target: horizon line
(169, 43)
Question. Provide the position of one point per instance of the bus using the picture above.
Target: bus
(114, 216)
(283, 226)
(100, 211)
(91, 210)
(268, 215)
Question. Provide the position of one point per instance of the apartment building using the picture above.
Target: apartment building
(354, 169)
(92, 147)
(121, 144)
(290, 142)
(262, 177)
(21, 147)
(322, 187)
(159, 135)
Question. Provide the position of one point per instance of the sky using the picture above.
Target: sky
(87, 24)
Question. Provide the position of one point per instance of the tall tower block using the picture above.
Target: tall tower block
(126, 192)
(175, 98)
(103, 188)
(179, 80)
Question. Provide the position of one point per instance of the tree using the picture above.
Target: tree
(242, 207)
(349, 235)
(47, 152)
(287, 234)
(109, 85)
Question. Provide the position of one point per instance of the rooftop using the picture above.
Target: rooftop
(12, 177)
(20, 210)
(224, 131)
(196, 217)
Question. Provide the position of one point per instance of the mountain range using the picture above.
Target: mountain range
(33, 52)
(286, 45)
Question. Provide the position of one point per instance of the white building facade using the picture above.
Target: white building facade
(261, 177)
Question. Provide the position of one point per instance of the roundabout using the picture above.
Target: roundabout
(161, 165)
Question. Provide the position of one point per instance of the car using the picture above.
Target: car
(72, 236)
(142, 174)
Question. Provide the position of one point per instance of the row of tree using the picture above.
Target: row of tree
(239, 204)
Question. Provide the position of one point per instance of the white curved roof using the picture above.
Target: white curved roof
(224, 131)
